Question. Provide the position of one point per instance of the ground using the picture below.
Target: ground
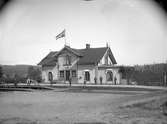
(62, 106)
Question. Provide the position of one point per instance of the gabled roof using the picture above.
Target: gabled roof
(94, 55)
(91, 55)
(49, 60)
(87, 56)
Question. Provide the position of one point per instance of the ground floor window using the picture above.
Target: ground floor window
(50, 76)
(74, 73)
(62, 74)
(87, 76)
(109, 76)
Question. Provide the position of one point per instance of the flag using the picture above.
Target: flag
(62, 34)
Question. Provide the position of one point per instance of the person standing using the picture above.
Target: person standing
(70, 80)
(101, 79)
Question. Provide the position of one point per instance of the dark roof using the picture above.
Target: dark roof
(91, 55)
(87, 56)
(94, 55)
(49, 60)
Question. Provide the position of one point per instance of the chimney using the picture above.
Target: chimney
(87, 46)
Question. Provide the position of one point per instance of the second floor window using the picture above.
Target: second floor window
(74, 73)
(68, 60)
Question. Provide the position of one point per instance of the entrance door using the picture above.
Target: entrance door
(87, 76)
(50, 76)
(67, 75)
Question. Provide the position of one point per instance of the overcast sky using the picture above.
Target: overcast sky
(135, 30)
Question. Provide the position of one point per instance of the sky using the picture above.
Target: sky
(136, 30)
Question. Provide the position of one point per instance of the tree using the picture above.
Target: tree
(1, 72)
(30, 72)
(165, 74)
(16, 79)
(34, 73)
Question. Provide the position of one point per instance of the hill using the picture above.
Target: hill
(21, 70)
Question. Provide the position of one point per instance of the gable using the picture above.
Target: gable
(65, 57)
(111, 56)
(108, 58)
(67, 50)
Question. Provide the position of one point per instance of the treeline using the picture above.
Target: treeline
(19, 73)
(152, 74)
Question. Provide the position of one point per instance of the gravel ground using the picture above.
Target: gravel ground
(50, 107)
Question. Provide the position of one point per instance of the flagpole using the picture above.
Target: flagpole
(65, 38)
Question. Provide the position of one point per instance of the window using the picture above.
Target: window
(109, 76)
(62, 74)
(68, 60)
(74, 73)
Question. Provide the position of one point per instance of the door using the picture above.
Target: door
(87, 76)
(67, 75)
(50, 76)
